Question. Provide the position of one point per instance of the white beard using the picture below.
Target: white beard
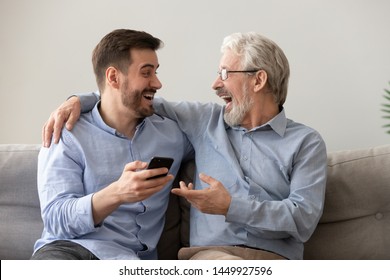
(235, 116)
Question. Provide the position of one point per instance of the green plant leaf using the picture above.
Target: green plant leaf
(385, 107)
(387, 97)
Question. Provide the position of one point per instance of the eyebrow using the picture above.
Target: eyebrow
(149, 65)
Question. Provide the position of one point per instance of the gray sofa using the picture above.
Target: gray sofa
(355, 223)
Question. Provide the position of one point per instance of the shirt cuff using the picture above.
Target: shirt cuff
(239, 208)
(85, 215)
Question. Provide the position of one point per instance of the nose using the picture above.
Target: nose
(155, 83)
(217, 83)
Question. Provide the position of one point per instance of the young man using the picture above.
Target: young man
(260, 187)
(97, 199)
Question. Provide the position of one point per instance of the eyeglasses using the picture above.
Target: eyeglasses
(223, 74)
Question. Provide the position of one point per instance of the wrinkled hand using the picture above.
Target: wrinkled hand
(212, 200)
(132, 186)
(68, 112)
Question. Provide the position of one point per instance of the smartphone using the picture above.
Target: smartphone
(157, 162)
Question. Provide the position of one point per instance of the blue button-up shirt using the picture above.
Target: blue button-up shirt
(275, 173)
(89, 158)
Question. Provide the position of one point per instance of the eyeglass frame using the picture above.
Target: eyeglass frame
(224, 72)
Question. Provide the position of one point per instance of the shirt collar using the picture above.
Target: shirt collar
(97, 118)
(277, 124)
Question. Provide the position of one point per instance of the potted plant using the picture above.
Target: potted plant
(386, 109)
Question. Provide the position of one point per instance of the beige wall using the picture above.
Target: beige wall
(339, 53)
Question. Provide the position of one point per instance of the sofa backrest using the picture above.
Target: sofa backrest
(20, 220)
(356, 219)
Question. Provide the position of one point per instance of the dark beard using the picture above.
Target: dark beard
(133, 99)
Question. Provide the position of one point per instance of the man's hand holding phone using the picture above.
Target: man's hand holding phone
(140, 180)
(135, 184)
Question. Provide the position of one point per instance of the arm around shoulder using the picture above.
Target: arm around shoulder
(67, 114)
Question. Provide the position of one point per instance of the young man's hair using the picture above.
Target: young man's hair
(114, 50)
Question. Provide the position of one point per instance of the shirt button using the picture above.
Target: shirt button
(245, 158)
(252, 197)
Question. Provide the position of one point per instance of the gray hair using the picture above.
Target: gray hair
(259, 52)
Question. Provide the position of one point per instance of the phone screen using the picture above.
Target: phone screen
(157, 162)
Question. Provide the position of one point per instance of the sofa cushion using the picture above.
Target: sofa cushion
(356, 219)
(20, 220)
(176, 231)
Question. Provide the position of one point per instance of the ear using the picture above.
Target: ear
(113, 77)
(261, 80)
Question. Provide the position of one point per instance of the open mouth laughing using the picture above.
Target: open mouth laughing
(227, 98)
(148, 96)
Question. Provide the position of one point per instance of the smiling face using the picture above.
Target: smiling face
(141, 83)
(234, 90)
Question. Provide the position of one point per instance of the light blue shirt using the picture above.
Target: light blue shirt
(275, 173)
(89, 158)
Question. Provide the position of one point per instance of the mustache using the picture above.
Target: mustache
(149, 90)
(220, 91)
(223, 91)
